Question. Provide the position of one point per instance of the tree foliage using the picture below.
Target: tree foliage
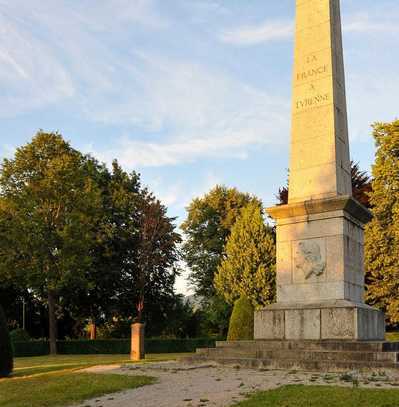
(89, 242)
(215, 316)
(361, 185)
(134, 259)
(248, 268)
(207, 227)
(48, 207)
(6, 359)
(382, 233)
(241, 325)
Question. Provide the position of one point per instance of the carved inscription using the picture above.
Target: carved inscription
(309, 259)
(312, 101)
(313, 68)
(311, 73)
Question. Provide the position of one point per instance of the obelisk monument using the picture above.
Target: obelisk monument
(320, 238)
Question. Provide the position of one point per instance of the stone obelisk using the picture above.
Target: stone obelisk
(320, 239)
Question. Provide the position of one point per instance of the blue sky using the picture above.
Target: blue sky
(188, 92)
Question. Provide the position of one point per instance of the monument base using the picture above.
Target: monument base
(338, 320)
(308, 355)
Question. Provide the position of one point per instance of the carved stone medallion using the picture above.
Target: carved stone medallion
(309, 259)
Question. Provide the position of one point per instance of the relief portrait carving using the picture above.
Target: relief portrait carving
(309, 259)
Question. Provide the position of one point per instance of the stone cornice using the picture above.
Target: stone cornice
(345, 203)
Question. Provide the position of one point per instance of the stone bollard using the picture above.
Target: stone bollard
(137, 351)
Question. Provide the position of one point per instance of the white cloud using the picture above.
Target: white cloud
(258, 34)
(205, 113)
(57, 53)
(29, 76)
(178, 195)
(364, 23)
(52, 52)
(283, 30)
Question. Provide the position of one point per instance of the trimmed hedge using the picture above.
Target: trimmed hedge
(19, 335)
(89, 347)
(111, 346)
(30, 348)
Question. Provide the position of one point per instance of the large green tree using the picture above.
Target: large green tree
(248, 268)
(134, 260)
(48, 210)
(114, 251)
(382, 233)
(207, 227)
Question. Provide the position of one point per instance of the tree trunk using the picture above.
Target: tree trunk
(52, 320)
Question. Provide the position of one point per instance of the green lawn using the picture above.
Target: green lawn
(45, 381)
(43, 364)
(322, 396)
(61, 389)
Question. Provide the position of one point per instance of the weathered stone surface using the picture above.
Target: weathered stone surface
(319, 105)
(319, 206)
(318, 355)
(269, 325)
(320, 232)
(302, 324)
(339, 320)
(320, 258)
(339, 323)
(137, 351)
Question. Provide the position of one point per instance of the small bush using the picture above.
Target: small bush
(19, 335)
(6, 360)
(241, 321)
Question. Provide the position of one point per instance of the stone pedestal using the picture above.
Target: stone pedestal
(320, 250)
(137, 351)
(320, 274)
(340, 320)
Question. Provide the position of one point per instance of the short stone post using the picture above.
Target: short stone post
(137, 351)
(93, 331)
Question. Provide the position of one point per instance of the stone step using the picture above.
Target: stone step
(313, 345)
(232, 352)
(329, 355)
(297, 364)
(306, 355)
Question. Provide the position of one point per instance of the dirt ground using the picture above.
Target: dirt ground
(203, 385)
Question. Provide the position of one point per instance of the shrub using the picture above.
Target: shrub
(6, 360)
(241, 321)
(31, 348)
(112, 346)
(90, 347)
(19, 335)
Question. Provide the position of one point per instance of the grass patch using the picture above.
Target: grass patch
(392, 336)
(43, 364)
(322, 396)
(61, 389)
(44, 381)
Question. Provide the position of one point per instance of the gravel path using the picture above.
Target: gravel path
(180, 385)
